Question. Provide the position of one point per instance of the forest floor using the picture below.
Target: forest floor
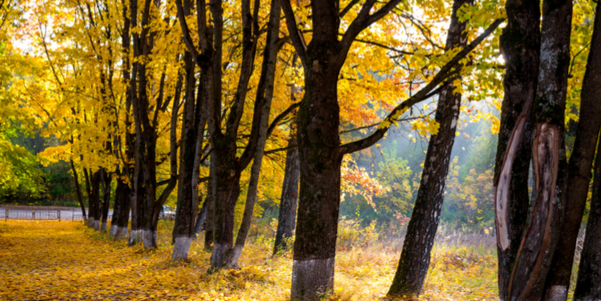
(67, 261)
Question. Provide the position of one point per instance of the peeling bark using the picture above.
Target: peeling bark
(534, 256)
(520, 44)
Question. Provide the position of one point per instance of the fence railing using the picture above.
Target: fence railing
(42, 214)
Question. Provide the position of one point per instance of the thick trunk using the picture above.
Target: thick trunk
(227, 191)
(137, 204)
(320, 184)
(520, 43)
(579, 172)
(588, 280)
(288, 202)
(121, 219)
(78, 190)
(416, 255)
(187, 204)
(535, 253)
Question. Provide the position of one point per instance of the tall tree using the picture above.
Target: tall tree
(520, 45)
(320, 149)
(534, 256)
(579, 173)
(288, 201)
(227, 163)
(416, 255)
(588, 279)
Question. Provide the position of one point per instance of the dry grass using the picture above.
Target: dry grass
(66, 261)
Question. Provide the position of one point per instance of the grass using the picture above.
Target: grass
(67, 261)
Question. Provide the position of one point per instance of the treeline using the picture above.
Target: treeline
(193, 99)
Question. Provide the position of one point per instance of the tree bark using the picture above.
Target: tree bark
(535, 253)
(116, 208)
(264, 106)
(89, 193)
(94, 200)
(106, 179)
(588, 280)
(187, 204)
(201, 218)
(520, 44)
(78, 191)
(288, 201)
(579, 172)
(208, 243)
(122, 219)
(416, 255)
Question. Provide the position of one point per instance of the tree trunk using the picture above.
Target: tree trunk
(579, 172)
(137, 204)
(208, 244)
(95, 199)
(288, 201)
(534, 256)
(200, 219)
(416, 255)
(90, 204)
(187, 204)
(320, 184)
(121, 220)
(116, 208)
(78, 190)
(520, 44)
(588, 280)
(106, 198)
(227, 187)
(263, 109)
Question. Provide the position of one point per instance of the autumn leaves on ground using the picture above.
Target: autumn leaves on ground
(67, 261)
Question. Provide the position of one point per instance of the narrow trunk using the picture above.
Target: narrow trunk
(588, 280)
(106, 199)
(416, 255)
(288, 201)
(520, 44)
(78, 190)
(90, 204)
(116, 208)
(534, 256)
(579, 172)
(208, 244)
(95, 199)
(201, 218)
(264, 107)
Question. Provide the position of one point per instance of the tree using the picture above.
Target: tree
(320, 149)
(520, 44)
(588, 279)
(534, 256)
(579, 173)
(416, 255)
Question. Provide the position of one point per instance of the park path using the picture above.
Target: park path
(48, 260)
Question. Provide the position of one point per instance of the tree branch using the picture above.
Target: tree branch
(294, 33)
(444, 74)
